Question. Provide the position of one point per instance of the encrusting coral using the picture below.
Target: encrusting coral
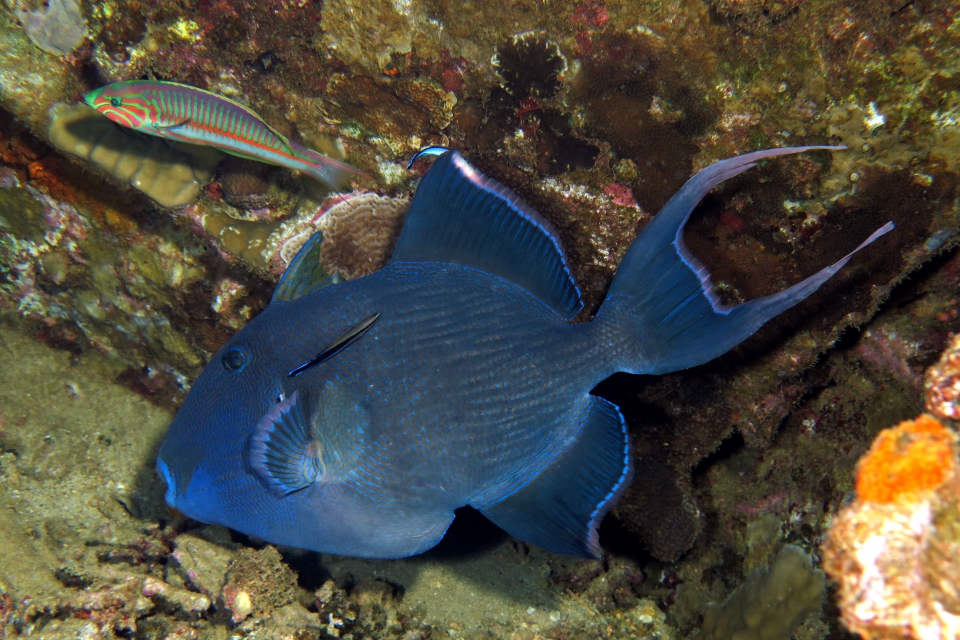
(896, 549)
(172, 178)
(942, 383)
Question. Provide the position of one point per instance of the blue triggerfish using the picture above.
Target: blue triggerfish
(354, 418)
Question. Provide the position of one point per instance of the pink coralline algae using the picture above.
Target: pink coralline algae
(942, 384)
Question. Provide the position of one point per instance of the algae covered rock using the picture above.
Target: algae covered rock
(771, 603)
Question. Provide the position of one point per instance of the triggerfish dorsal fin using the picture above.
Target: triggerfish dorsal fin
(305, 273)
(561, 508)
(675, 311)
(460, 215)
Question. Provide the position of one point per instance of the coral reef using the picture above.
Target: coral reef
(942, 383)
(593, 112)
(171, 178)
(59, 30)
(894, 550)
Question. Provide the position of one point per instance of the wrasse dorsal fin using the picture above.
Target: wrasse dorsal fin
(343, 341)
(461, 216)
(250, 112)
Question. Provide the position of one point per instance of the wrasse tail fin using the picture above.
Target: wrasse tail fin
(327, 170)
(561, 508)
(675, 312)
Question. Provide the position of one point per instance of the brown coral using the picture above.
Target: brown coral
(245, 182)
(359, 235)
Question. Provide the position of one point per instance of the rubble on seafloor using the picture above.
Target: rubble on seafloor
(593, 112)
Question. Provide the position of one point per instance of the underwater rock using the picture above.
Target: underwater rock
(58, 30)
(771, 603)
(171, 178)
(942, 384)
(894, 550)
(245, 182)
(200, 560)
(660, 509)
(258, 581)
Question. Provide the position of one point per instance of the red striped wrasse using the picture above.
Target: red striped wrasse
(187, 114)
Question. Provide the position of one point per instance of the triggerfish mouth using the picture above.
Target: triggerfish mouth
(354, 418)
(187, 114)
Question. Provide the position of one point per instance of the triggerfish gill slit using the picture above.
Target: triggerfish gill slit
(180, 112)
(453, 376)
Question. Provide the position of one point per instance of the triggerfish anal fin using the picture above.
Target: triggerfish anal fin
(459, 215)
(678, 316)
(305, 273)
(562, 507)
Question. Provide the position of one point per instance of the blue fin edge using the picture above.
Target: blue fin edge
(459, 215)
(666, 293)
(561, 508)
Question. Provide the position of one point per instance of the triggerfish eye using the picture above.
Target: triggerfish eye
(235, 359)
(115, 102)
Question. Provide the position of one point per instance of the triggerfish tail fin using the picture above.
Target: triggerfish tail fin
(327, 170)
(561, 508)
(665, 293)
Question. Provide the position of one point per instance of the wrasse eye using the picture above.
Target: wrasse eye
(114, 102)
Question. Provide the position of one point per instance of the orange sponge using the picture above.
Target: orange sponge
(907, 461)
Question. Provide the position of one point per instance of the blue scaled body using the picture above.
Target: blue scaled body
(353, 418)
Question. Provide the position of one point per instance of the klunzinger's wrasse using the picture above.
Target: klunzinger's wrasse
(187, 114)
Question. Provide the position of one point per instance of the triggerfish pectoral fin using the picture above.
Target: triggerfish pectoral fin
(283, 449)
(561, 508)
(677, 316)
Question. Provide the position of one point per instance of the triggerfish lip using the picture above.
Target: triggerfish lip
(171, 494)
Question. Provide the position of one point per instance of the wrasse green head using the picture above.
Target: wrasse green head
(122, 102)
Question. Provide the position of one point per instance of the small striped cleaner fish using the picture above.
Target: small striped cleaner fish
(180, 112)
